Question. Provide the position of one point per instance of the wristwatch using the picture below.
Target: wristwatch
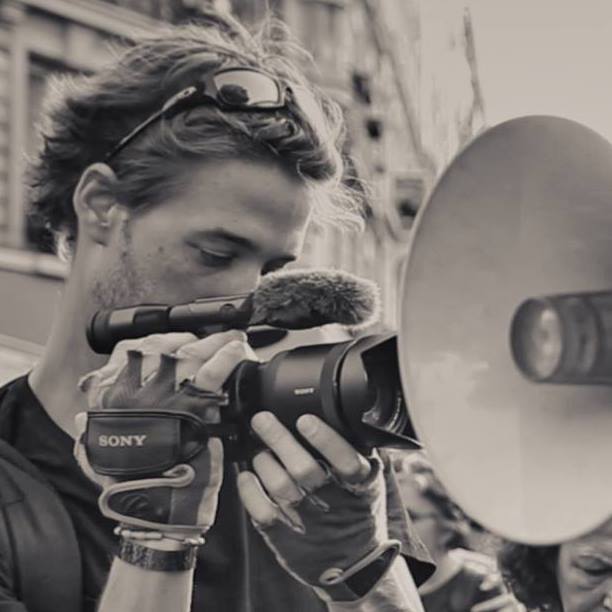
(157, 560)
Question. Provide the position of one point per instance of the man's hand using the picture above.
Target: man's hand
(156, 375)
(324, 521)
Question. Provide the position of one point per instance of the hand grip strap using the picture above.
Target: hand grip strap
(130, 443)
(118, 496)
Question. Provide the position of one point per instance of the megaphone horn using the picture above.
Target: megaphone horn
(505, 292)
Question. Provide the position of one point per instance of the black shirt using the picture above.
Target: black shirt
(236, 571)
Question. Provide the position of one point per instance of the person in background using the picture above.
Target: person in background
(575, 576)
(464, 580)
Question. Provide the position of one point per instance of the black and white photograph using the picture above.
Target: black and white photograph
(305, 306)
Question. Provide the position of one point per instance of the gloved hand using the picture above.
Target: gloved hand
(158, 472)
(323, 523)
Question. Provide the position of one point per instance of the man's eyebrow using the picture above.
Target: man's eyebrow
(229, 236)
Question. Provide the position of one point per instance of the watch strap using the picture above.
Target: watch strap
(157, 560)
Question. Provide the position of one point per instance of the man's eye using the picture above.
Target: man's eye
(215, 259)
(595, 568)
(597, 571)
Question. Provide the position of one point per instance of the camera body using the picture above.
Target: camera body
(353, 386)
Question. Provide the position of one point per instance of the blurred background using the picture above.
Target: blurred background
(416, 78)
(404, 71)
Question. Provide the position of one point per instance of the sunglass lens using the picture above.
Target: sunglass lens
(248, 88)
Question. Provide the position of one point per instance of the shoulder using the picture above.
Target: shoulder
(38, 544)
(12, 395)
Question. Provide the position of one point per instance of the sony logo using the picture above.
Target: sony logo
(130, 440)
(303, 391)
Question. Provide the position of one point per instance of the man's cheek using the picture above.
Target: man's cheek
(583, 594)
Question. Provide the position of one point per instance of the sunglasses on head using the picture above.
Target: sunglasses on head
(229, 89)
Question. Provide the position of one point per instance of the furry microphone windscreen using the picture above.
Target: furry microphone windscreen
(299, 299)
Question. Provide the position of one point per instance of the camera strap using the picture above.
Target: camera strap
(129, 443)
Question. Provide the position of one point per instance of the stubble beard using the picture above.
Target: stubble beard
(123, 285)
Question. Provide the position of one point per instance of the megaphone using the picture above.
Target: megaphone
(506, 329)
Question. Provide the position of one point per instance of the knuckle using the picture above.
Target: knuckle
(153, 342)
(261, 460)
(231, 334)
(267, 518)
(282, 487)
(161, 342)
(349, 469)
(234, 353)
(276, 435)
(189, 337)
(213, 374)
(236, 348)
(250, 354)
(124, 346)
(355, 471)
(308, 473)
(208, 380)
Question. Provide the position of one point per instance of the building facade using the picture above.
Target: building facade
(403, 70)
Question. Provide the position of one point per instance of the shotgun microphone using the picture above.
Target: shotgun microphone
(292, 299)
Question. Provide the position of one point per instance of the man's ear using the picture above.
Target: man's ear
(95, 202)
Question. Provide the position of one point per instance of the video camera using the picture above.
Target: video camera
(354, 386)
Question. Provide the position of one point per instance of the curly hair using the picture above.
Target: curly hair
(530, 571)
(85, 116)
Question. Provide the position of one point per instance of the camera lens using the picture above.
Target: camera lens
(388, 411)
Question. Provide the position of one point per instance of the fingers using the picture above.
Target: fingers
(192, 351)
(126, 384)
(204, 348)
(192, 355)
(96, 381)
(217, 369)
(301, 465)
(259, 506)
(345, 461)
(207, 361)
(164, 381)
(142, 358)
(151, 347)
(275, 479)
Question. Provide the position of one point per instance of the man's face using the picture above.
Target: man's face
(230, 222)
(584, 572)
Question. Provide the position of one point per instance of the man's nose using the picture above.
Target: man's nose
(245, 278)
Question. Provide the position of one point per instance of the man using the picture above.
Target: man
(189, 168)
(573, 576)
